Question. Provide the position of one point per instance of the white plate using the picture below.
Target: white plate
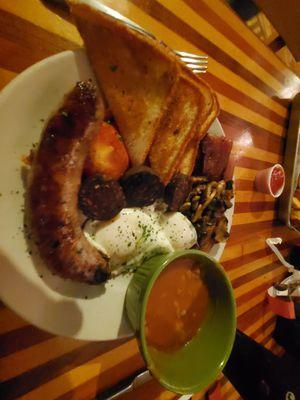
(49, 302)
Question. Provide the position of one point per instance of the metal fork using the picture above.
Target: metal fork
(197, 63)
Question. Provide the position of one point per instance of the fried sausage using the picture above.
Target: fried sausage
(101, 200)
(142, 186)
(55, 181)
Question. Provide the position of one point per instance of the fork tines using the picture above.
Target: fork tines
(197, 63)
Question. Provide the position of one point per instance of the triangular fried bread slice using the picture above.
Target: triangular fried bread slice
(137, 74)
(177, 128)
(209, 113)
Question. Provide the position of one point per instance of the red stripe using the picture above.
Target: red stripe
(107, 379)
(14, 55)
(244, 185)
(21, 338)
(241, 280)
(35, 377)
(257, 290)
(241, 232)
(250, 163)
(229, 91)
(254, 207)
(222, 26)
(167, 18)
(239, 130)
(263, 328)
(251, 316)
(248, 258)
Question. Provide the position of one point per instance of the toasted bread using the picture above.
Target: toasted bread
(209, 113)
(137, 74)
(177, 127)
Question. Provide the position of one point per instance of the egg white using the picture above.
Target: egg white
(136, 234)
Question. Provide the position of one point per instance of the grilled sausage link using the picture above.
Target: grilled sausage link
(55, 182)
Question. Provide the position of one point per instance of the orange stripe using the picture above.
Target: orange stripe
(5, 77)
(224, 12)
(248, 115)
(176, 41)
(256, 242)
(9, 321)
(245, 173)
(275, 347)
(77, 376)
(247, 218)
(254, 265)
(24, 360)
(243, 308)
(185, 13)
(245, 302)
(237, 38)
(54, 24)
(255, 153)
(269, 276)
(63, 29)
(251, 196)
(155, 9)
(254, 206)
(35, 12)
(252, 328)
(268, 331)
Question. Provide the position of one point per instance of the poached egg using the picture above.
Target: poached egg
(136, 234)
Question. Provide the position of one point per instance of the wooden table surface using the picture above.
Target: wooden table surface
(251, 83)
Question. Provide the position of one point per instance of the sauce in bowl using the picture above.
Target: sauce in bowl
(177, 305)
(277, 179)
(271, 180)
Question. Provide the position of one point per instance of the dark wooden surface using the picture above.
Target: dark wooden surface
(254, 88)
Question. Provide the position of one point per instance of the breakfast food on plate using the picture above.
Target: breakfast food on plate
(210, 195)
(177, 306)
(142, 187)
(177, 191)
(123, 159)
(139, 233)
(178, 126)
(161, 108)
(213, 156)
(107, 154)
(99, 199)
(137, 76)
(210, 112)
(205, 206)
(55, 182)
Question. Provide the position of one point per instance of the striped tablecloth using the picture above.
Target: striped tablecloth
(254, 88)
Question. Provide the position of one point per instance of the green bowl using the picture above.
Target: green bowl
(197, 364)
